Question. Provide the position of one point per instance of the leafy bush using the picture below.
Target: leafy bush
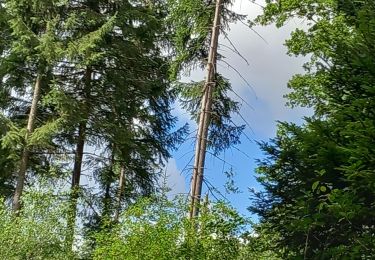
(39, 232)
(161, 230)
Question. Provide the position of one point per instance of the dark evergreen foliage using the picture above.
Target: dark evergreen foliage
(319, 177)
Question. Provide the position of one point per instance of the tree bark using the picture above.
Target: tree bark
(78, 158)
(76, 177)
(204, 117)
(108, 183)
(26, 152)
(121, 188)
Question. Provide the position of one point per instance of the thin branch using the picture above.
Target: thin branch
(247, 137)
(182, 156)
(186, 166)
(257, 4)
(234, 48)
(243, 100)
(254, 31)
(209, 184)
(217, 157)
(306, 244)
(241, 152)
(242, 77)
(247, 124)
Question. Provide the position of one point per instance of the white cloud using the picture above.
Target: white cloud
(175, 181)
(268, 71)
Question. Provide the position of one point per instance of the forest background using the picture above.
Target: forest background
(89, 95)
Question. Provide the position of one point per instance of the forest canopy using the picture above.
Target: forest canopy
(88, 89)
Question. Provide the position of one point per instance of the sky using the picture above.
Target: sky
(266, 73)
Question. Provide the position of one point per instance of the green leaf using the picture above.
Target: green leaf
(315, 185)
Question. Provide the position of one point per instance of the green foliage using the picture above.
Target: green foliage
(105, 84)
(319, 177)
(39, 231)
(7, 162)
(161, 230)
(222, 132)
(262, 244)
(190, 24)
(152, 228)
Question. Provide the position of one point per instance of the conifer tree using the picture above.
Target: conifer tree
(31, 52)
(318, 178)
(204, 116)
(116, 76)
(197, 25)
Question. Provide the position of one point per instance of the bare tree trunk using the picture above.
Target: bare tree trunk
(204, 117)
(26, 153)
(108, 182)
(76, 177)
(78, 157)
(107, 200)
(121, 188)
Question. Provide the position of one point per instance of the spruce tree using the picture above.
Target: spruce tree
(116, 76)
(195, 31)
(32, 48)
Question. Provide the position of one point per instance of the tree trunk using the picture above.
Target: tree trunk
(204, 117)
(76, 177)
(26, 153)
(107, 210)
(107, 200)
(78, 157)
(121, 188)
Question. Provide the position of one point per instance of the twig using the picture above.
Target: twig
(242, 77)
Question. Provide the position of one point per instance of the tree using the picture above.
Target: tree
(204, 116)
(39, 232)
(117, 76)
(195, 35)
(31, 48)
(317, 177)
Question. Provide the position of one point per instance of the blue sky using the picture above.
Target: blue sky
(268, 72)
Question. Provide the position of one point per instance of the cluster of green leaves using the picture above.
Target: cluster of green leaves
(319, 177)
(39, 232)
(152, 228)
(190, 25)
(160, 229)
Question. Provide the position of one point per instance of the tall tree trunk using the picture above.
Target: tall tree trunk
(108, 182)
(121, 188)
(78, 157)
(76, 177)
(204, 117)
(107, 200)
(26, 153)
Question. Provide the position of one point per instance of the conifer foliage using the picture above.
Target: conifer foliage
(85, 87)
(319, 177)
(87, 91)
